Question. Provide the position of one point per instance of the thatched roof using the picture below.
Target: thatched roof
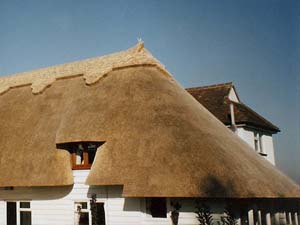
(216, 99)
(159, 141)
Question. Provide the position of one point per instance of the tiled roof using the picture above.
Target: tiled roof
(215, 99)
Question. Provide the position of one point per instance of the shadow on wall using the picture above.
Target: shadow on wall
(114, 192)
(132, 204)
(36, 193)
(105, 191)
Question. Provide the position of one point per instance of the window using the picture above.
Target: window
(258, 143)
(82, 153)
(98, 213)
(18, 213)
(25, 213)
(82, 213)
(89, 214)
(11, 213)
(158, 207)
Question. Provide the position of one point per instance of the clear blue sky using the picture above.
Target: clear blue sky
(253, 43)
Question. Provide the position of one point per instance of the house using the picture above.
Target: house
(116, 140)
(224, 103)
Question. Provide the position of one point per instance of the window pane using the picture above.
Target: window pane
(80, 206)
(98, 213)
(11, 213)
(256, 144)
(261, 143)
(25, 218)
(79, 155)
(25, 205)
(83, 205)
(159, 207)
(83, 218)
(92, 148)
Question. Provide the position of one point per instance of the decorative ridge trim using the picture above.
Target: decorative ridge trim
(92, 69)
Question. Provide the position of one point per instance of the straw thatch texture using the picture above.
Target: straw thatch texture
(162, 142)
(28, 154)
(92, 69)
(159, 141)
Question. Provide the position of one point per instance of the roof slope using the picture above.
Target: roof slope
(159, 141)
(92, 69)
(215, 99)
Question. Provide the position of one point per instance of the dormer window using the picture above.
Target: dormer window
(82, 153)
(258, 143)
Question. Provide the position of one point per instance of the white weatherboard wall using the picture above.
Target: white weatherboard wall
(2, 213)
(267, 142)
(269, 147)
(55, 206)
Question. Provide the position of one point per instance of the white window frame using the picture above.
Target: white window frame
(258, 139)
(19, 210)
(261, 143)
(88, 210)
(256, 142)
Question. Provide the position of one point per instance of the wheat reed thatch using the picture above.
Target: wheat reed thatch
(159, 141)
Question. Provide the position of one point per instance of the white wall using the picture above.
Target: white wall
(247, 135)
(2, 213)
(269, 147)
(118, 210)
(55, 206)
(233, 96)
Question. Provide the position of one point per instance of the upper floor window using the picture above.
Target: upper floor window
(82, 153)
(258, 143)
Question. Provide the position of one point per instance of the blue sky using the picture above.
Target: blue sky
(253, 43)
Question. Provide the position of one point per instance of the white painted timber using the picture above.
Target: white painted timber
(233, 95)
(2, 213)
(55, 206)
(247, 135)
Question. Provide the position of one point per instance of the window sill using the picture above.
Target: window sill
(263, 154)
(81, 167)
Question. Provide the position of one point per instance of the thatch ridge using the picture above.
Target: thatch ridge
(92, 69)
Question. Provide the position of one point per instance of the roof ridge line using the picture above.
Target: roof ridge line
(92, 69)
(211, 86)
